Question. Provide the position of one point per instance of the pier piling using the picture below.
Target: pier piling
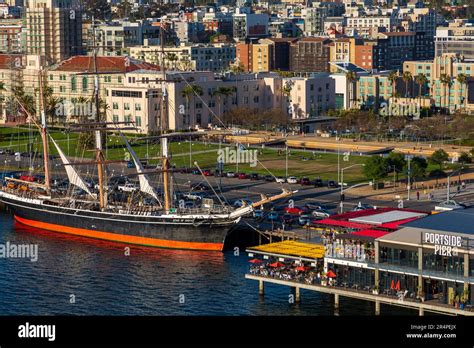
(422, 312)
(336, 301)
(377, 307)
(297, 294)
(261, 288)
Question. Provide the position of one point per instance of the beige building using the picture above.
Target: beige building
(458, 95)
(262, 55)
(53, 29)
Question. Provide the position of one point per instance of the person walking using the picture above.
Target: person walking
(417, 195)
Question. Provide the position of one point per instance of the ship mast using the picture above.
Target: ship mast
(164, 126)
(98, 134)
(44, 136)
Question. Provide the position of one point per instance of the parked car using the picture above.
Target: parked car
(196, 172)
(304, 219)
(128, 187)
(280, 180)
(318, 182)
(240, 202)
(258, 213)
(207, 172)
(305, 181)
(230, 174)
(269, 178)
(200, 187)
(295, 210)
(242, 176)
(194, 195)
(320, 213)
(273, 216)
(332, 184)
(449, 205)
(130, 164)
(254, 176)
(315, 206)
(292, 180)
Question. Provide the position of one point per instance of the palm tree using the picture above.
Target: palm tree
(173, 58)
(223, 92)
(406, 77)
(188, 92)
(447, 82)
(393, 77)
(462, 79)
(351, 77)
(421, 80)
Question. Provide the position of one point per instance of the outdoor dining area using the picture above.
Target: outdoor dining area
(291, 270)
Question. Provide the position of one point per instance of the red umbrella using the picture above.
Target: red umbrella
(331, 274)
(277, 264)
(255, 261)
(301, 268)
(397, 287)
(392, 285)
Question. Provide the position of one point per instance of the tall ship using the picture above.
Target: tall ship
(162, 222)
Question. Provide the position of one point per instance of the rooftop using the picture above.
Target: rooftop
(104, 64)
(455, 221)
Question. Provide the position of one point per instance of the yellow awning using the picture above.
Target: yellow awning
(291, 248)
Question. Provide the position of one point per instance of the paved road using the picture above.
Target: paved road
(234, 188)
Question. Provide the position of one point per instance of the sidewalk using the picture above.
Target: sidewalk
(437, 188)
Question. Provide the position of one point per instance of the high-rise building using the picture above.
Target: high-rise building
(54, 29)
(457, 38)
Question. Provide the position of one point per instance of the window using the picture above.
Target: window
(138, 121)
(115, 118)
(128, 119)
(115, 106)
(138, 107)
(126, 94)
(126, 106)
(255, 99)
(85, 83)
(73, 83)
(62, 89)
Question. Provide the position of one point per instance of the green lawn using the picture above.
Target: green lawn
(316, 165)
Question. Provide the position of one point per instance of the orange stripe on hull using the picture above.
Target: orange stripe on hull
(160, 243)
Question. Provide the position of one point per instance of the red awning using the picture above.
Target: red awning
(331, 274)
(342, 223)
(276, 264)
(255, 261)
(370, 233)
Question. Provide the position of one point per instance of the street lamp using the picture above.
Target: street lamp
(342, 183)
(448, 190)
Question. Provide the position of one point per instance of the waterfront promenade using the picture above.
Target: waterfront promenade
(428, 306)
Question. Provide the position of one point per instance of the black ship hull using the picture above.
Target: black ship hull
(197, 233)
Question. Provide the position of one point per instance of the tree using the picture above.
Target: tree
(396, 161)
(439, 157)
(223, 92)
(421, 80)
(407, 77)
(393, 77)
(351, 77)
(173, 58)
(237, 68)
(447, 82)
(418, 166)
(188, 92)
(464, 158)
(462, 80)
(375, 168)
(99, 9)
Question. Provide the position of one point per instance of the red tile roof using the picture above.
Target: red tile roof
(104, 64)
(7, 61)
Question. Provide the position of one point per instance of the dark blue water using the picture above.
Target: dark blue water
(148, 282)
